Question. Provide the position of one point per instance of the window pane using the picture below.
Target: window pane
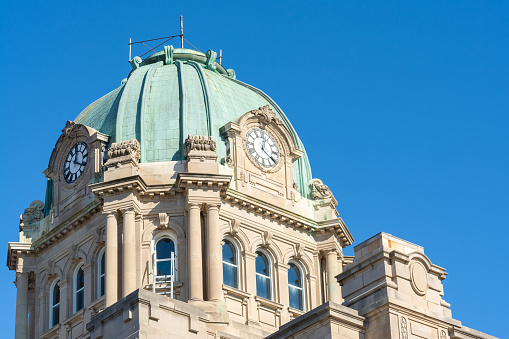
(294, 276)
(261, 264)
(229, 253)
(102, 286)
(79, 300)
(101, 271)
(295, 297)
(230, 275)
(56, 295)
(263, 287)
(164, 248)
(80, 279)
(55, 316)
(164, 268)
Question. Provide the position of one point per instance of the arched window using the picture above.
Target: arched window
(263, 276)
(295, 289)
(230, 265)
(54, 304)
(164, 252)
(101, 273)
(79, 289)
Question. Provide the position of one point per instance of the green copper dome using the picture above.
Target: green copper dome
(174, 93)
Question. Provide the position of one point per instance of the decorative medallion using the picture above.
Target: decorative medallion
(419, 278)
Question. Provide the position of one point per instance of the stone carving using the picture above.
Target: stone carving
(235, 226)
(319, 190)
(163, 220)
(419, 278)
(73, 252)
(99, 235)
(228, 161)
(124, 151)
(443, 335)
(199, 143)
(34, 213)
(210, 63)
(136, 62)
(69, 130)
(404, 329)
(50, 267)
(266, 238)
(299, 250)
(265, 115)
(123, 82)
(231, 73)
(168, 55)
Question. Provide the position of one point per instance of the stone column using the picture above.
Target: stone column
(31, 322)
(111, 260)
(21, 329)
(332, 271)
(214, 254)
(129, 253)
(195, 253)
(43, 311)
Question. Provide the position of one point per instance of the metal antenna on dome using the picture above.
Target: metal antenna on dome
(181, 31)
(220, 55)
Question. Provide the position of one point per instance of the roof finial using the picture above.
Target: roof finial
(181, 31)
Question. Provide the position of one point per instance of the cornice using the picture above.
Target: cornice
(68, 226)
(15, 249)
(283, 216)
(202, 180)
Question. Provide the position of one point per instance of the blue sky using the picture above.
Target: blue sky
(402, 107)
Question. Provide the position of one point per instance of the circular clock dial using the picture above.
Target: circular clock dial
(75, 162)
(262, 147)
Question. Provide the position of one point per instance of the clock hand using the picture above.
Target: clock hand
(263, 149)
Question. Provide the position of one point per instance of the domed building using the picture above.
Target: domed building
(182, 204)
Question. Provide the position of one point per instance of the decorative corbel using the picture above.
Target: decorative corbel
(164, 219)
(99, 235)
(266, 238)
(73, 252)
(298, 250)
(235, 226)
(68, 130)
(50, 268)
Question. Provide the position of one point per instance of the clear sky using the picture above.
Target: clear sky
(401, 105)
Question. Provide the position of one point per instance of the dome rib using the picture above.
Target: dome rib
(182, 107)
(205, 90)
(145, 101)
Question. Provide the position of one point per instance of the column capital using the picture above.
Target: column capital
(192, 205)
(128, 210)
(213, 206)
(110, 214)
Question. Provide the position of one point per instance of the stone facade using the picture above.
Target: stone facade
(134, 249)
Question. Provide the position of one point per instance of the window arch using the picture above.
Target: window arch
(101, 274)
(230, 264)
(54, 304)
(296, 286)
(164, 250)
(79, 289)
(263, 276)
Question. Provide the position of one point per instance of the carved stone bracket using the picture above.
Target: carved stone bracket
(124, 152)
(164, 219)
(319, 190)
(266, 238)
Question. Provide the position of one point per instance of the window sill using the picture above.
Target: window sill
(51, 333)
(235, 292)
(268, 303)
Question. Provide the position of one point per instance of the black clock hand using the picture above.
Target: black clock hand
(263, 149)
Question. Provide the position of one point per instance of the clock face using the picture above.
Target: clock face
(75, 162)
(262, 147)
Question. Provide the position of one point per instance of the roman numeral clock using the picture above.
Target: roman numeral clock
(75, 162)
(262, 147)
